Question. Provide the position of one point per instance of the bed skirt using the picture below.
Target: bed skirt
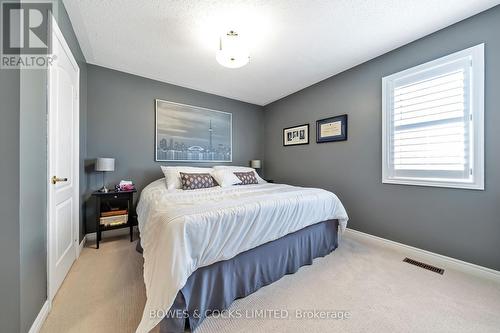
(215, 287)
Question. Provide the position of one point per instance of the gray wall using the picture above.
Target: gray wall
(9, 200)
(463, 224)
(33, 198)
(24, 153)
(121, 124)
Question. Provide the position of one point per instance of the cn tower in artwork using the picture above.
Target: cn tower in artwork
(210, 130)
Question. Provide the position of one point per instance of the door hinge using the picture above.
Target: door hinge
(470, 171)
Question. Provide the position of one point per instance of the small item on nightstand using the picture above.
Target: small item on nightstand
(125, 185)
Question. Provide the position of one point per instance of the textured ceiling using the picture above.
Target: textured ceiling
(293, 43)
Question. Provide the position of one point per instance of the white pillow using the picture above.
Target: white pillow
(225, 177)
(173, 176)
(240, 169)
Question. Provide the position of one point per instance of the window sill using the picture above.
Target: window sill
(429, 183)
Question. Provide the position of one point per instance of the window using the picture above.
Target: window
(433, 121)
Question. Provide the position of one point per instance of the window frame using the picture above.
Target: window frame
(475, 55)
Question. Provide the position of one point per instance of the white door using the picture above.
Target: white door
(63, 153)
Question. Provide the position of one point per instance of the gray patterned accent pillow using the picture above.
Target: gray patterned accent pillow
(193, 181)
(247, 177)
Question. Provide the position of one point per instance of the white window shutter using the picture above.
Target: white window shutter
(432, 123)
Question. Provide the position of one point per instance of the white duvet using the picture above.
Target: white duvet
(184, 230)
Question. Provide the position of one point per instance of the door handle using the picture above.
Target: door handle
(56, 180)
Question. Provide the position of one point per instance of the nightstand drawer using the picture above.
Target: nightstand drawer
(119, 196)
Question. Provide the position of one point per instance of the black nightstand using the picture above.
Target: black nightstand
(114, 206)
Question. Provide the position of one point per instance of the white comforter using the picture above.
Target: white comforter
(184, 230)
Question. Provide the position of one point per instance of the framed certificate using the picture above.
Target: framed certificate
(331, 129)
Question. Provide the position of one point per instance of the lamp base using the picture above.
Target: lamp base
(104, 189)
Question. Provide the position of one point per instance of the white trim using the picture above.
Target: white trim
(81, 246)
(109, 233)
(429, 183)
(430, 257)
(475, 55)
(40, 318)
(76, 172)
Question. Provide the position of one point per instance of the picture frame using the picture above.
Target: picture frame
(296, 135)
(331, 129)
(188, 133)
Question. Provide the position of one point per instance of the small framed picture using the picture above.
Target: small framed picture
(297, 135)
(331, 129)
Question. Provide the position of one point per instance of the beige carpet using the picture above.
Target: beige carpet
(104, 292)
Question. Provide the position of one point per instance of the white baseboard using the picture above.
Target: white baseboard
(429, 257)
(40, 319)
(82, 244)
(109, 233)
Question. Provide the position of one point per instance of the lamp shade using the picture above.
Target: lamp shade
(256, 164)
(105, 164)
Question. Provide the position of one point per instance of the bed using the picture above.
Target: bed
(205, 248)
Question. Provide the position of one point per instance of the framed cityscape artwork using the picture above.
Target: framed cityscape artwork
(186, 133)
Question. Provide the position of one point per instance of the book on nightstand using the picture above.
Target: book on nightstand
(114, 213)
(114, 220)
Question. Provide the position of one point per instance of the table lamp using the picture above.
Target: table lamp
(256, 164)
(104, 165)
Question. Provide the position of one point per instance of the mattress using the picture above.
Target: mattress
(182, 231)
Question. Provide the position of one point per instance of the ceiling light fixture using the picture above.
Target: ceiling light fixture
(232, 53)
